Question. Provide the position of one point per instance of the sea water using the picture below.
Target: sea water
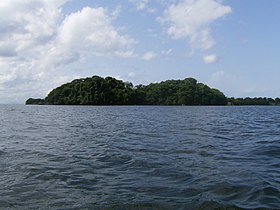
(139, 157)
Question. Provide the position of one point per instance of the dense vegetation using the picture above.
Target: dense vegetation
(36, 101)
(179, 92)
(253, 101)
(110, 91)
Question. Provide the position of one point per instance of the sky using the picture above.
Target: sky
(231, 45)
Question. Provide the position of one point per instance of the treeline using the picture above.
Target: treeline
(35, 101)
(110, 91)
(257, 101)
(178, 92)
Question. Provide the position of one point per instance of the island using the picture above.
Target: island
(110, 91)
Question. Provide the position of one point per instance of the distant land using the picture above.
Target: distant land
(110, 91)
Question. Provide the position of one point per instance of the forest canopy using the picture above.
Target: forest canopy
(110, 91)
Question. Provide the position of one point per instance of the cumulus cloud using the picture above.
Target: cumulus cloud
(27, 29)
(27, 24)
(38, 41)
(209, 59)
(91, 30)
(191, 20)
(149, 56)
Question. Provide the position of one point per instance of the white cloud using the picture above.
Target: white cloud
(38, 42)
(191, 19)
(140, 4)
(166, 52)
(26, 29)
(7, 49)
(149, 56)
(28, 24)
(117, 11)
(209, 59)
(143, 5)
(91, 30)
(134, 78)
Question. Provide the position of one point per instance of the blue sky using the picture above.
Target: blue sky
(232, 45)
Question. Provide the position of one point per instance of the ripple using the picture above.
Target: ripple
(271, 151)
(210, 205)
(139, 157)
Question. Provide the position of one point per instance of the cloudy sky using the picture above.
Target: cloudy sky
(232, 45)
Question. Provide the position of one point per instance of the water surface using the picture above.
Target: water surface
(79, 157)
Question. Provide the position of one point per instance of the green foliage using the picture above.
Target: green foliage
(34, 101)
(182, 92)
(92, 91)
(253, 101)
(110, 91)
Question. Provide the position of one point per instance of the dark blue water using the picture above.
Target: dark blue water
(63, 157)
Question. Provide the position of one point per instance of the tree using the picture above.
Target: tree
(110, 91)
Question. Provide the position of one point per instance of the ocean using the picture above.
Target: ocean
(139, 157)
